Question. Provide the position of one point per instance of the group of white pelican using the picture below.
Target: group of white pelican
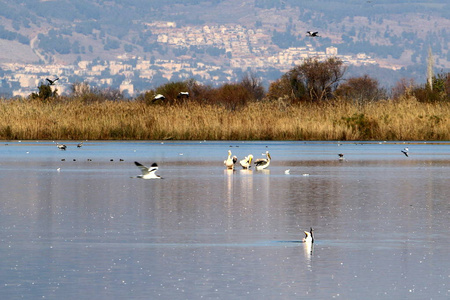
(246, 163)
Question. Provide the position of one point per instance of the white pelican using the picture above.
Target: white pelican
(287, 172)
(61, 147)
(262, 163)
(246, 162)
(309, 236)
(405, 151)
(230, 161)
(147, 173)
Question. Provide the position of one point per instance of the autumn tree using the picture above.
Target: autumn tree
(438, 90)
(360, 89)
(313, 80)
(231, 96)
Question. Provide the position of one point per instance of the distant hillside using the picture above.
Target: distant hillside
(63, 31)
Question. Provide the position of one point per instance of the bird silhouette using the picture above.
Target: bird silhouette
(51, 82)
(313, 34)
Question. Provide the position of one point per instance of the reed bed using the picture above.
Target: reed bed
(405, 119)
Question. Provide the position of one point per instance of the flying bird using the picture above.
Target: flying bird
(313, 34)
(405, 151)
(147, 173)
(183, 95)
(158, 97)
(51, 82)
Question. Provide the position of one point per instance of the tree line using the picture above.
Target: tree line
(313, 81)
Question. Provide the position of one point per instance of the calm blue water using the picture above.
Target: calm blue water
(89, 231)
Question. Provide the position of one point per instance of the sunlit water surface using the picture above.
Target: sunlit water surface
(89, 231)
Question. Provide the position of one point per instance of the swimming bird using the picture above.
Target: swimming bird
(230, 161)
(147, 173)
(51, 82)
(246, 162)
(80, 145)
(61, 146)
(341, 156)
(405, 151)
(263, 163)
(313, 34)
(309, 236)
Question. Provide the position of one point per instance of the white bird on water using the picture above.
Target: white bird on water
(246, 162)
(230, 161)
(263, 163)
(147, 173)
(61, 146)
(309, 236)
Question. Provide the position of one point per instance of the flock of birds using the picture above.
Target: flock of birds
(246, 163)
(230, 162)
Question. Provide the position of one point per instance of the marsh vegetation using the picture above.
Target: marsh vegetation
(310, 102)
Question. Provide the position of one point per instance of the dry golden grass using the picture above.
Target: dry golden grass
(406, 119)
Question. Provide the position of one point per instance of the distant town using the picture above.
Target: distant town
(238, 48)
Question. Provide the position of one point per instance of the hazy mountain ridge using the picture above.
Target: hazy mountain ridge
(377, 23)
(63, 31)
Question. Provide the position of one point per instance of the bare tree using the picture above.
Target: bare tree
(253, 85)
(360, 89)
(321, 78)
(313, 80)
(402, 88)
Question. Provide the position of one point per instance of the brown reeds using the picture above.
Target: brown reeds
(405, 119)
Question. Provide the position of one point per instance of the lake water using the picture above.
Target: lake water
(89, 231)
